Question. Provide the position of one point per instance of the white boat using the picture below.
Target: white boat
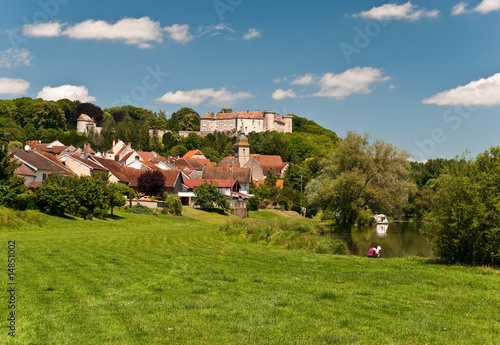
(381, 218)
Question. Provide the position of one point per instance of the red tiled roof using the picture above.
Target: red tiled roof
(127, 156)
(22, 170)
(145, 156)
(279, 183)
(258, 115)
(192, 153)
(113, 167)
(266, 162)
(87, 162)
(196, 182)
(243, 175)
(133, 175)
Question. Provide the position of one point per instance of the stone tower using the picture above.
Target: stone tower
(269, 120)
(242, 149)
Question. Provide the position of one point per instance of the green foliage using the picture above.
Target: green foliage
(185, 119)
(55, 196)
(208, 197)
(464, 223)
(359, 175)
(253, 204)
(173, 205)
(11, 185)
(290, 234)
(47, 114)
(10, 131)
(139, 209)
(26, 201)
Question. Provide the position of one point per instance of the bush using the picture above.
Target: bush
(173, 205)
(253, 204)
(290, 234)
(139, 209)
(83, 212)
(26, 201)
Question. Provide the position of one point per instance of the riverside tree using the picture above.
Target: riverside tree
(463, 225)
(360, 176)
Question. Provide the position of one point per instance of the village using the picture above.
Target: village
(233, 175)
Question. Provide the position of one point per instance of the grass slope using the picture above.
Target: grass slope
(140, 279)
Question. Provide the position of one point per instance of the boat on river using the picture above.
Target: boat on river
(381, 218)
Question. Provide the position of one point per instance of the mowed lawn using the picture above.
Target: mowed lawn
(177, 280)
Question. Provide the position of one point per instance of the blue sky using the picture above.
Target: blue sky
(424, 75)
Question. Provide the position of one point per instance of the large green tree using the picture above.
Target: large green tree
(360, 175)
(463, 225)
(208, 197)
(11, 185)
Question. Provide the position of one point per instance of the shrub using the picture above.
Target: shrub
(83, 212)
(26, 201)
(139, 209)
(173, 205)
(253, 204)
(290, 234)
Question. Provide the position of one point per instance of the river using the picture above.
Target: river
(398, 239)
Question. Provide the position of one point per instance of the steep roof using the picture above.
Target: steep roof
(85, 117)
(243, 175)
(266, 162)
(113, 167)
(22, 170)
(40, 161)
(146, 156)
(192, 153)
(87, 162)
(196, 182)
(132, 174)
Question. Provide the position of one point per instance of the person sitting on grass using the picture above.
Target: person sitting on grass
(373, 252)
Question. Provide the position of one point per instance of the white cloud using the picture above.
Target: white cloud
(179, 33)
(252, 33)
(460, 8)
(307, 79)
(195, 97)
(213, 30)
(140, 32)
(282, 94)
(356, 80)
(406, 11)
(71, 92)
(10, 86)
(480, 92)
(15, 57)
(487, 6)
(50, 29)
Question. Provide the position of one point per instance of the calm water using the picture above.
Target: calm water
(396, 240)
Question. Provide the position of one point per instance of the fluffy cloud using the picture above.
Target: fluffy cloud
(406, 11)
(252, 33)
(480, 92)
(220, 97)
(12, 87)
(70, 92)
(15, 57)
(51, 29)
(459, 9)
(179, 33)
(307, 79)
(141, 31)
(487, 6)
(356, 80)
(282, 94)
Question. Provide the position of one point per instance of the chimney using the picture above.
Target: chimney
(114, 143)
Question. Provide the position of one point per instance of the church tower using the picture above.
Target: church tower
(242, 149)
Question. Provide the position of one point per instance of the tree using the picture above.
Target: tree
(48, 115)
(208, 197)
(55, 196)
(11, 185)
(359, 176)
(463, 225)
(89, 109)
(173, 205)
(271, 178)
(151, 182)
(114, 194)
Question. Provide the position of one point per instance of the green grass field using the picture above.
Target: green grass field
(140, 279)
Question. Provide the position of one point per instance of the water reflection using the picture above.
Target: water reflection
(396, 239)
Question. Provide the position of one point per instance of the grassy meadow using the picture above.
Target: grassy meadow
(137, 279)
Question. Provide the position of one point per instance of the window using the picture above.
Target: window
(44, 176)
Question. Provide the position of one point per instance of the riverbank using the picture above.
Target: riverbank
(137, 279)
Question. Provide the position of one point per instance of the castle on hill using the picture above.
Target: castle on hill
(250, 121)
